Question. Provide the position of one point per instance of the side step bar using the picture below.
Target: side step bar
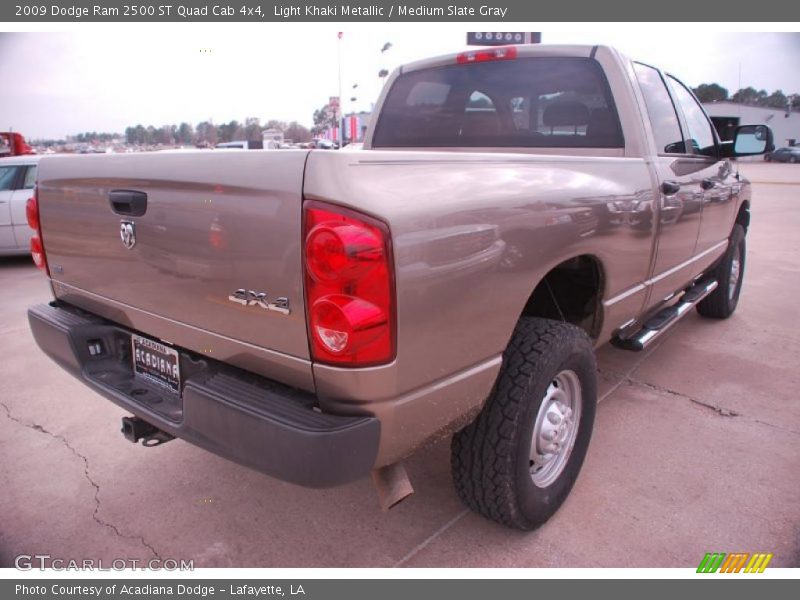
(665, 318)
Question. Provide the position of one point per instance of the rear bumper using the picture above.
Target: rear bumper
(256, 422)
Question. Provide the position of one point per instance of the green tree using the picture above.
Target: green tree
(777, 99)
(229, 132)
(750, 95)
(223, 133)
(185, 133)
(297, 133)
(141, 134)
(323, 118)
(166, 134)
(710, 92)
(252, 129)
(276, 124)
(207, 133)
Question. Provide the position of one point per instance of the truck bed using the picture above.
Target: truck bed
(214, 223)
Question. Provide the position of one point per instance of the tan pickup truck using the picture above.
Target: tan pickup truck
(319, 316)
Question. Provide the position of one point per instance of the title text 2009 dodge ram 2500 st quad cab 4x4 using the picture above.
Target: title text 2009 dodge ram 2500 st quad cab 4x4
(319, 316)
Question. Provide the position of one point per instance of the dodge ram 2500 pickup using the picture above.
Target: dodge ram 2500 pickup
(320, 316)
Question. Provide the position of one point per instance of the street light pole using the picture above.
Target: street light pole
(339, 120)
(384, 72)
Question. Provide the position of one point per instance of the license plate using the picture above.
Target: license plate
(156, 362)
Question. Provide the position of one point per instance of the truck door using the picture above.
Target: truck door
(679, 172)
(8, 178)
(19, 198)
(716, 178)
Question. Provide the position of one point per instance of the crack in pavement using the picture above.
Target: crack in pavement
(424, 544)
(94, 484)
(722, 411)
(623, 377)
(778, 427)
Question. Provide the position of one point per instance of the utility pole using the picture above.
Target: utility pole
(339, 119)
(383, 73)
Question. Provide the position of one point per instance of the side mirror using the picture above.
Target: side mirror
(752, 139)
(675, 148)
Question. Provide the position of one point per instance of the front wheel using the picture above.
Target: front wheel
(518, 460)
(721, 303)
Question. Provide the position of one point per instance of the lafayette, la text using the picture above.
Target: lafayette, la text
(152, 589)
(400, 10)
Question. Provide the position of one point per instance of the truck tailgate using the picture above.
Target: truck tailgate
(215, 222)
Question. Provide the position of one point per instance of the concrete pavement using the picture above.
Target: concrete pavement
(696, 449)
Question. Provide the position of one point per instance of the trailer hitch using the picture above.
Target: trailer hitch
(135, 429)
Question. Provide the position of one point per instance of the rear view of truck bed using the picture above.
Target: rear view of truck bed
(202, 249)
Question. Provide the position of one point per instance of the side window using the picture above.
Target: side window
(663, 118)
(700, 135)
(30, 178)
(7, 177)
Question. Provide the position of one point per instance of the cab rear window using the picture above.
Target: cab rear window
(522, 103)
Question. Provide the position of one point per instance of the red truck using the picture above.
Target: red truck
(13, 144)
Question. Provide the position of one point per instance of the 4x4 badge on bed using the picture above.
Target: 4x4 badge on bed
(127, 233)
(251, 298)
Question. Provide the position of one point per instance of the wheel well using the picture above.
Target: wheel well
(743, 217)
(570, 292)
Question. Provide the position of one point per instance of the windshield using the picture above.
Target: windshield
(523, 103)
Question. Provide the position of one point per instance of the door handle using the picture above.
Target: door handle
(708, 184)
(670, 188)
(129, 203)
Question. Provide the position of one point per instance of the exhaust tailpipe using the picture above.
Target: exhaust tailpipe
(392, 484)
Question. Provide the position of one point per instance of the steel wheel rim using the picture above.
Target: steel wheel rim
(556, 428)
(736, 271)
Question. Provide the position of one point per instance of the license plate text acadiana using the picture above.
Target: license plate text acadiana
(156, 362)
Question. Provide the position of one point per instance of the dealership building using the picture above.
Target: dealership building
(728, 115)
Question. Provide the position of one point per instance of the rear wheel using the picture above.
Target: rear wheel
(793, 159)
(517, 462)
(721, 303)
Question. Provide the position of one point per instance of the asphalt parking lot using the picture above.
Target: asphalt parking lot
(696, 449)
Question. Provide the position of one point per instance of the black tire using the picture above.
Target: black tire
(491, 457)
(793, 159)
(721, 303)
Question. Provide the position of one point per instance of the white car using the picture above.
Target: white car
(17, 178)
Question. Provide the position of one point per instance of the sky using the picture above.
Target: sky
(106, 77)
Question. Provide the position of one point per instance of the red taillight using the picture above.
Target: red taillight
(349, 287)
(37, 252)
(37, 246)
(499, 53)
(342, 250)
(32, 213)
